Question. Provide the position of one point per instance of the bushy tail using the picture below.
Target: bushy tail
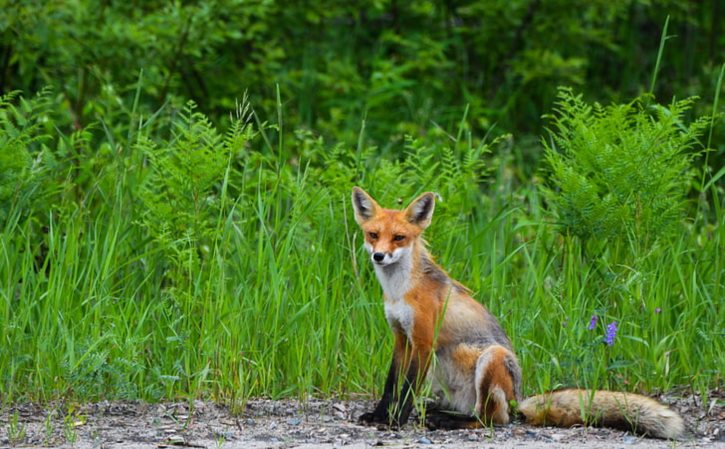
(639, 414)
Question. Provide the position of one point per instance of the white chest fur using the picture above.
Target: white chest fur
(399, 315)
(395, 280)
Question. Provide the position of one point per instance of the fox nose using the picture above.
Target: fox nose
(378, 257)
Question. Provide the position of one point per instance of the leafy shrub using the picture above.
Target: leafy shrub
(621, 172)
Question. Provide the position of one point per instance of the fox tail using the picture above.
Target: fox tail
(626, 411)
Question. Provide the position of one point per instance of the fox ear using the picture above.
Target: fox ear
(363, 204)
(420, 211)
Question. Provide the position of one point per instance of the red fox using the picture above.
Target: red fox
(476, 374)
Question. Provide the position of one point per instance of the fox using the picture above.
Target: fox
(476, 378)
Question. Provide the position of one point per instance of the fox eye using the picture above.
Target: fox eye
(398, 237)
(373, 235)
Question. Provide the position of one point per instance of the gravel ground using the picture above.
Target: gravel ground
(312, 424)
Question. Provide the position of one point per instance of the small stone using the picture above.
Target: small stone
(425, 440)
(629, 439)
(557, 437)
(176, 440)
(224, 435)
(294, 421)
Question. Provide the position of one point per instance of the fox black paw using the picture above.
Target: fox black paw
(371, 419)
(382, 422)
(445, 421)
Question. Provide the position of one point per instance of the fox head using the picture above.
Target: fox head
(390, 235)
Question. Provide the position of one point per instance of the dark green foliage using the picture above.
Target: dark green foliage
(401, 65)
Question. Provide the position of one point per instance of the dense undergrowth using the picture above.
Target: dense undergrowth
(157, 256)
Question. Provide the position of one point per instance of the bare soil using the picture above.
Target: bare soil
(310, 424)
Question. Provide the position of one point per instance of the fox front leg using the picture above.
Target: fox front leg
(381, 415)
(396, 404)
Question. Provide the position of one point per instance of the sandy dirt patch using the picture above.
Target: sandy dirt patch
(311, 424)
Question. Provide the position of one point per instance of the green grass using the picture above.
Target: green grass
(127, 272)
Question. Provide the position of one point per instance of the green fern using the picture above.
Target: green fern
(181, 195)
(22, 132)
(622, 171)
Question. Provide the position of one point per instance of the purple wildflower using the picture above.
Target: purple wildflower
(611, 333)
(658, 310)
(592, 323)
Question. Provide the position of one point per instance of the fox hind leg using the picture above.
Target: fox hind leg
(497, 381)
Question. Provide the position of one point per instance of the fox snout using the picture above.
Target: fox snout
(379, 257)
(385, 258)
